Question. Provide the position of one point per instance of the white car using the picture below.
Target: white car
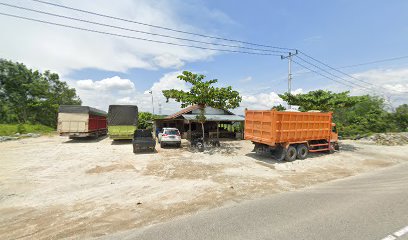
(169, 136)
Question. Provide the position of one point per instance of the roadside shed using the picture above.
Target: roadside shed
(219, 122)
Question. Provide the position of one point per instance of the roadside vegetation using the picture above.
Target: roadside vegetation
(30, 97)
(29, 102)
(355, 116)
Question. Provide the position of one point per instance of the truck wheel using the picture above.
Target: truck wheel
(302, 151)
(336, 146)
(290, 154)
(279, 154)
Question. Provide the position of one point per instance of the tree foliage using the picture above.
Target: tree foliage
(204, 94)
(28, 96)
(279, 107)
(145, 120)
(320, 100)
(354, 115)
(401, 117)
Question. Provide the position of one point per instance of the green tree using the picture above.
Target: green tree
(401, 117)
(28, 96)
(320, 100)
(279, 107)
(145, 120)
(204, 94)
(365, 117)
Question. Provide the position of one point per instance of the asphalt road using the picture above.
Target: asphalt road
(368, 206)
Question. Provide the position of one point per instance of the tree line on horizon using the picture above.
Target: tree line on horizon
(28, 96)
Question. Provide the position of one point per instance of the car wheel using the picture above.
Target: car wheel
(290, 154)
(161, 144)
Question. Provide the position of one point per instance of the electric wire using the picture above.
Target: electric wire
(138, 31)
(346, 74)
(376, 61)
(132, 37)
(333, 75)
(318, 73)
(161, 27)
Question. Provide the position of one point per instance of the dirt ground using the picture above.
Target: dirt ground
(52, 187)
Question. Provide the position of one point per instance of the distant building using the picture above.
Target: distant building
(219, 122)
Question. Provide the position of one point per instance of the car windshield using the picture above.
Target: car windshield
(172, 132)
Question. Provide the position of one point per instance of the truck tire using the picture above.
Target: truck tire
(302, 151)
(291, 154)
(336, 146)
(279, 154)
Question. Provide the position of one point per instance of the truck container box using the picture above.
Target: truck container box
(271, 129)
(81, 121)
(122, 121)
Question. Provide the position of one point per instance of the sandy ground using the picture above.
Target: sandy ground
(52, 187)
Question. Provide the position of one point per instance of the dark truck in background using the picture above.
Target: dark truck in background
(143, 140)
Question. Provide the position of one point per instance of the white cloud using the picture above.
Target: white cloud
(246, 79)
(168, 61)
(390, 84)
(108, 84)
(115, 90)
(63, 50)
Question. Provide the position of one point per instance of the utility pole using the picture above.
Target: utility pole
(289, 57)
(151, 92)
(160, 109)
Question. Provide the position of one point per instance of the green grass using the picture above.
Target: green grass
(11, 129)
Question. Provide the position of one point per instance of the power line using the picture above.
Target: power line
(132, 37)
(334, 69)
(160, 27)
(296, 62)
(138, 31)
(314, 65)
(376, 61)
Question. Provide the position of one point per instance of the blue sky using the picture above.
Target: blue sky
(339, 33)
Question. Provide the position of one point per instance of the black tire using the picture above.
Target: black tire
(200, 146)
(179, 145)
(161, 144)
(290, 154)
(336, 146)
(279, 154)
(302, 151)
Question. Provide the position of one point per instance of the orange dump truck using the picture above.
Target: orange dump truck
(290, 135)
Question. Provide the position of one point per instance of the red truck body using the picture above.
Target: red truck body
(81, 121)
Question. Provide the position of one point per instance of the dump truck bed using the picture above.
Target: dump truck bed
(272, 127)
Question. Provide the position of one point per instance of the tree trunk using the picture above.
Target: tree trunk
(202, 127)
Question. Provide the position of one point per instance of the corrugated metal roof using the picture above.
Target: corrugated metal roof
(181, 112)
(189, 109)
(233, 118)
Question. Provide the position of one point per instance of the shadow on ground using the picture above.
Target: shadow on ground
(86, 139)
(226, 148)
(121, 142)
